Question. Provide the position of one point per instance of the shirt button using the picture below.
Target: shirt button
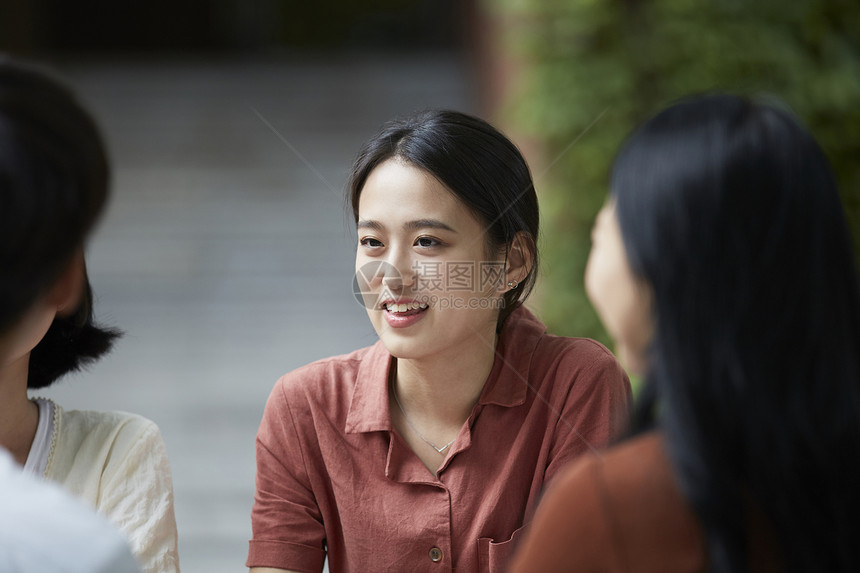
(435, 555)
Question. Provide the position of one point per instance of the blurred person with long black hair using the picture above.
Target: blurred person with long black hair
(722, 266)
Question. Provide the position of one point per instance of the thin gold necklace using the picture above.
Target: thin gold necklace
(414, 429)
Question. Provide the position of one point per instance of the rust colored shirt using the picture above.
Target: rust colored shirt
(334, 476)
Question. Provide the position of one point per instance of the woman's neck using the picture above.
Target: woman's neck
(19, 417)
(443, 390)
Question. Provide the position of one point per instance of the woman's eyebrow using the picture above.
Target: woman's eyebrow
(426, 224)
(408, 226)
(369, 224)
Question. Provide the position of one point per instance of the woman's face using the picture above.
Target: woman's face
(424, 256)
(62, 299)
(26, 333)
(622, 300)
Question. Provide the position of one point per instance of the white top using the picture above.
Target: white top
(43, 529)
(117, 463)
(37, 459)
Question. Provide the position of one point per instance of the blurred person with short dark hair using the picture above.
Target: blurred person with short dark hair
(53, 187)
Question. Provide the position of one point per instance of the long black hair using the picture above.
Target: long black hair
(478, 164)
(728, 208)
(53, 187)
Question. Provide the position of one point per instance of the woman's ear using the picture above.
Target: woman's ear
(68, 289)
(520, 258)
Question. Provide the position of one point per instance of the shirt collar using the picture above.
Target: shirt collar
(507, 384)
(368, 411)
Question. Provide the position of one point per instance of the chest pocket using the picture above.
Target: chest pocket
(495, 557)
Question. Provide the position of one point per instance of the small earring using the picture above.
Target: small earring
(513, 284)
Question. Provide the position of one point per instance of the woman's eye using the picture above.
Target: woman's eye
(427, 242)
(370, 242)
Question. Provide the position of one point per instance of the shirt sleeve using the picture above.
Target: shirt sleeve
(570, 531)
(596, 409)
(136, 495)
(286, 521)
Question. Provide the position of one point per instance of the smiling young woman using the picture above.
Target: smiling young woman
(428, 450)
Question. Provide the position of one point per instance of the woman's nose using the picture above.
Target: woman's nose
(399, 272)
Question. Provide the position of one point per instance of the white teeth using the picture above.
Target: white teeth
(404, 307)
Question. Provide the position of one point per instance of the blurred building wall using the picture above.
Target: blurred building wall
(36, 27)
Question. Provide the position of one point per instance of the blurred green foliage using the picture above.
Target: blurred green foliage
(591, 70)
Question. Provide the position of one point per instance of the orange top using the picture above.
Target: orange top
(619, 512)
(334, 476)
(624, 511)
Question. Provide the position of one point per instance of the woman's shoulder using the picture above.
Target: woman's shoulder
(99, 438)
(632, 490)
(582, 370)
(325, 389)
(525, 331)
(626, 470)
(585, 352)
(547, 353)
(333, 370)
(87, 445)
(634, 477)
(92, 425)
